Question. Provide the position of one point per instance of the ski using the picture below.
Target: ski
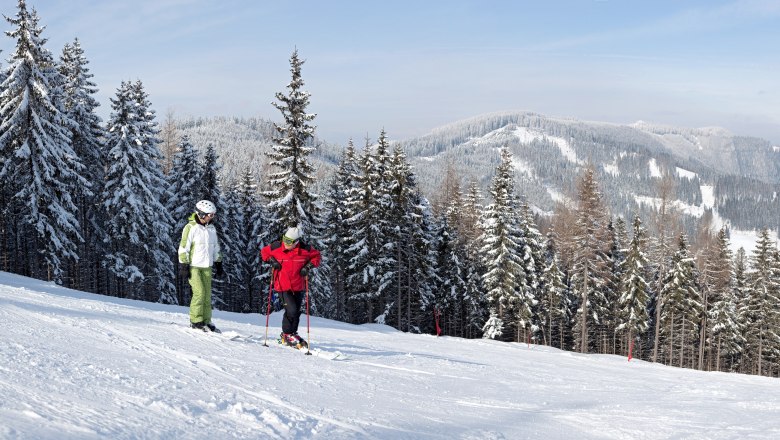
(324, 354)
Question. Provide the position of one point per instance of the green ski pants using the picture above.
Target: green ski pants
(200, 306)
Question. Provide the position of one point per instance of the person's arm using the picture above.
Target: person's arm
(185, 245)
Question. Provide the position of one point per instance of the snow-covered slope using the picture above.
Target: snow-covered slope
(83, 366)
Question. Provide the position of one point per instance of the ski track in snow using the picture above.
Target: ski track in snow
(82, 366)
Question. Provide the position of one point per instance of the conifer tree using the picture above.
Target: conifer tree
(502, 255)
(211, 190)
(763, 305)
(185, 185)
(742, 297)
(184, 190)
(232, 222)
(589, 265)
(290, 201)
(533, 266)
(254, 236)
(554, 304)
(87, 140)
(469, 233)
(722, 326)
(338, 211)
(615, 257)
(634, 289)
(450, 283)
(369, 204)
(139, 227)
(421, 266)
(40, 170)
(681, 307)
(392, 183)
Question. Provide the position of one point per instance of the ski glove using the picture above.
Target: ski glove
(218, 272)
(275, 263)
(305, 269)
(184, 270)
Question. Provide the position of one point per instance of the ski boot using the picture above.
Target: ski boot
(299, 341)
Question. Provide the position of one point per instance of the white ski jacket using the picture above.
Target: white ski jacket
(199, 245)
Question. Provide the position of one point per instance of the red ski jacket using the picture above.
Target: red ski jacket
(289, 276)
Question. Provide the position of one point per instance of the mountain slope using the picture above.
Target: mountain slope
(77, 365)
(741, 175)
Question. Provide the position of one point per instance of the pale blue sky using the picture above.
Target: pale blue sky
(410, 66)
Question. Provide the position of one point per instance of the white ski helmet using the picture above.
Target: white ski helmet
(205, 207)
(292, 235)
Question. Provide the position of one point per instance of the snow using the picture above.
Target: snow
(523, 167)
(707, 195)
(84, 366)
(655, 171)
(612, 168)
(527, 135)
(737, 239)
(683, 173)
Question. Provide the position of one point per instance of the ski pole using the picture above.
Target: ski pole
(268, 310)
(308, 325)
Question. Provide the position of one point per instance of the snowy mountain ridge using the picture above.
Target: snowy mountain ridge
(85, 366)
(550, 152)
(629, 160)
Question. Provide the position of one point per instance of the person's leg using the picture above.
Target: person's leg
(198, 295)
(298, 296)
(290, 312)
(207, 295)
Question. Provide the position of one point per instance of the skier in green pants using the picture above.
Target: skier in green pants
(198, 252)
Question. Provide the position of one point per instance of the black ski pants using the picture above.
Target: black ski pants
(292, 310)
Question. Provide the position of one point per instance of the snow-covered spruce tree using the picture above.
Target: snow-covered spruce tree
(633, 289)
(502, 251)
(255, 235)
(369, 204)
(742, 294)
(469, 232)
(392, 192)
(533, 264)
(6, 225)
(232, 222)
(40, 169)
(421, 266)
(184, 190)
(290, 202)
(340, 235)
(185, 186)
(589, 262)
(87, 140)
(763, 308)
(553, 303)
(616, 255)
(211, 191)
(406, 216)
(138, 226)
(681, 308)
(450, 283)
(724, 340)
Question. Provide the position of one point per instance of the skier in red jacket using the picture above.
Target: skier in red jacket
(292, 261)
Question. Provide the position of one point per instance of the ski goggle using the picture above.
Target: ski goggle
(288, 241)
(202, 214)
